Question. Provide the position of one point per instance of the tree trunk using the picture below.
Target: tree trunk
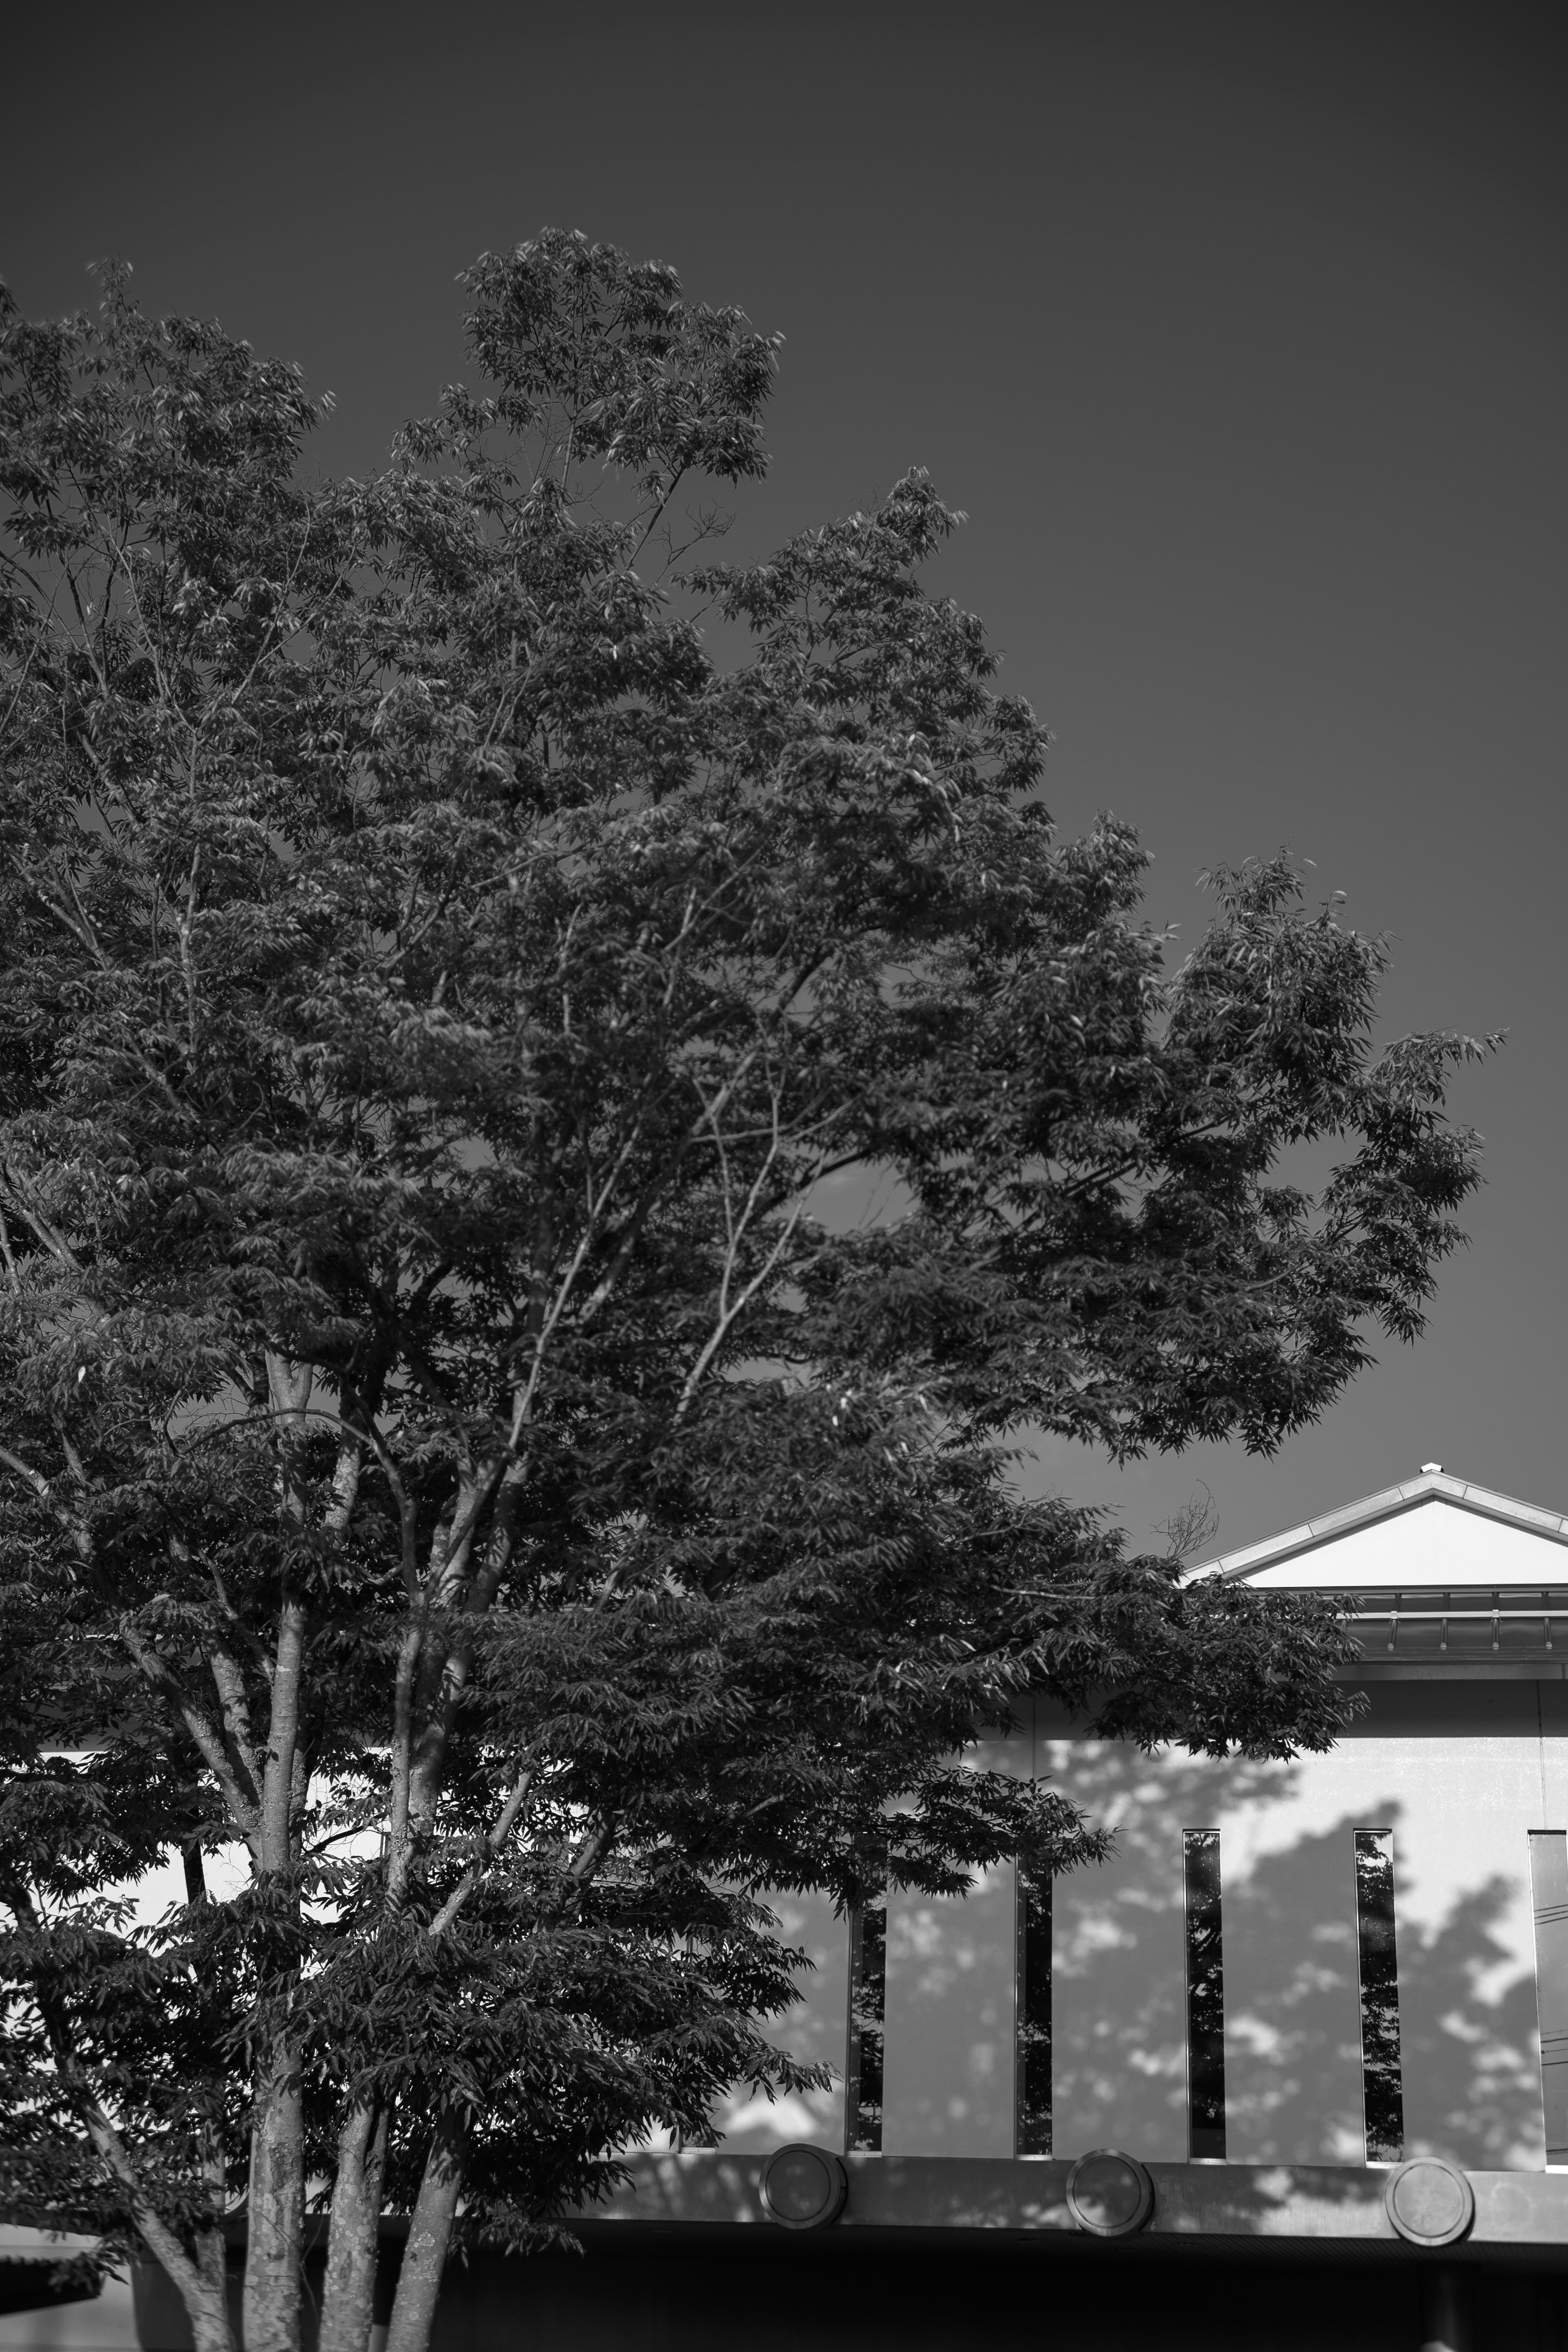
(207, 2302)
(211, 2252)
(276, 2206)
(348, 2298)
(201, 2277)
(276, 2203)
(429, 2238)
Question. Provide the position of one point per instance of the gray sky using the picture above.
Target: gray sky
(1238, 331)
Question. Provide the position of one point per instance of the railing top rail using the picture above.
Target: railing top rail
(1457, 1600)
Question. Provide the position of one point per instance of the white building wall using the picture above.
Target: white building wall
(1460, 1776)
(1460, 1805)
(814, 2030)
(948, 2055)
(1117, 1965)
(1461, 1811)
(948, 2087)
(1292, 1971)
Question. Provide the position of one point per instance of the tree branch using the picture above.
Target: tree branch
(500, 1830)
(106, 2139)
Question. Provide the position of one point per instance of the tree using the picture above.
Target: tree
(462, 1490)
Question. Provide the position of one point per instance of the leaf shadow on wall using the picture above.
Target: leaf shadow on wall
(1470, 2062)
(1470, 2047)
(1118, 1996)
(1469, 2058)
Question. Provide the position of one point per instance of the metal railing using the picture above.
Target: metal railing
(1461, 1621)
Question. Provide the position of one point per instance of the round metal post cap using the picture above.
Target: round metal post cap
(1429, 2202)
(1110, 2194)
(804, 2186)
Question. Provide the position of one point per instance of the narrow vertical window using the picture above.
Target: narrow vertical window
(1033, 2104)
(1382, 2093)
(1549, 1889)
(1205, 1998)
(868, 1990)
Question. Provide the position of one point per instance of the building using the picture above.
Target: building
(1290, 2068)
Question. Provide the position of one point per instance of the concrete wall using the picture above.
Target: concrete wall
(1460, 1777)
(1118, 1969)
(815, 2029)
(1460, 1774)
(948, 2053)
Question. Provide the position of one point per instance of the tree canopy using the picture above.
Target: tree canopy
(463, 1492)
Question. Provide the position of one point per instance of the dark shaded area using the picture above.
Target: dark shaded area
(1034, 2017)
(1436, 1706)
(707, 2289)
(836, 2296)
(1206, 1996)
(867, 2008)
(1383, 2093)
(37, 2283)
(162, 2325)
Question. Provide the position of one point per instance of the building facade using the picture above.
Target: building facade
(1290, 2067)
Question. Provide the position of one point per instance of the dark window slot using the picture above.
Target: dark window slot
(1383, 2093)
(868, 1996)
(1033, 2016)
(1206, 1996)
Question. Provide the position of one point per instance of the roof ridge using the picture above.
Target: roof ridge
(1430, 1485)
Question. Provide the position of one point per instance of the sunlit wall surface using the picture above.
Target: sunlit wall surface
(1343, 1960)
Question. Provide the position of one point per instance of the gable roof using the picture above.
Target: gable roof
(1452, 1531)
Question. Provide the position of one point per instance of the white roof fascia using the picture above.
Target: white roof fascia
(1431, 1486)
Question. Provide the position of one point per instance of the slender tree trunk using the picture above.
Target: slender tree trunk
(202, 2280)
(348, 2298)
(429, 2240)
(207, 2301)
(208, 2316)
(211, 2251)
(277, 2203)
(276, 2206)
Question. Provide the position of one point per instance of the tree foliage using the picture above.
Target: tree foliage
(466, 1494)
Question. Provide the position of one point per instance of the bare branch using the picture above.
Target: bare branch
(731, 1308)
(500, 1830)
(242, 1809)
(28, 1207)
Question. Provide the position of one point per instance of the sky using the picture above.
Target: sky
(1238, 332)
